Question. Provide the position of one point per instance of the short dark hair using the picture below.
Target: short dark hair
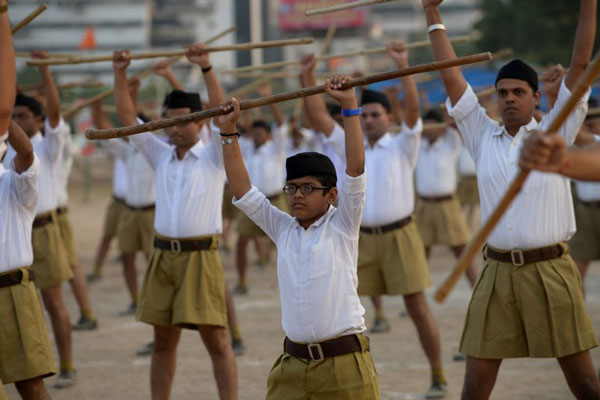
(327, 181)
(259, 123)
(32, 104)
(434, 114)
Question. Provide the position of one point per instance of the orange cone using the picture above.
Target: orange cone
(89, 39)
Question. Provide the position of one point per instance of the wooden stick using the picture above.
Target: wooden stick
(142, 75)
(171, 53)
(69, 85)
(25, 54)
(376, 50)
(592, 72)
(341, 7)
(33, 15)
(248, 104)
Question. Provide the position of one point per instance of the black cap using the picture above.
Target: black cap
(434, 114)
(372, 96)
(517, 69)
(309, 164)
(181, 99)
(34, 106)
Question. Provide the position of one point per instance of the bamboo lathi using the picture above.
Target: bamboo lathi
(592, 72)
(342, 7)
(170, 53)
(33, 15)
(142, 75)
(376, 50)
(281, 97)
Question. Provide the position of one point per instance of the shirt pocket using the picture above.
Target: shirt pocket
(194, 179)
(322, 259)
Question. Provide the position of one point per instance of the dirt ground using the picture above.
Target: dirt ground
(109, 369)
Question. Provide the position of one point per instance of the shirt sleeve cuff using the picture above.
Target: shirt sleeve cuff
(415, 130)
(355, 185)
(250, 201)
(564, 94)
(29, 172)
(58, 129)
(464, 106)
(336, 135)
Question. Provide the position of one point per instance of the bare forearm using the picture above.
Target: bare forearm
(100, 120)
(52, 98)
(237, 175)
(213, 87)
(411, 101)
(584, 42)
(355, 148)
(22, 146)
(126, 112)
(174, 82)
(8, 81)
(442, 50)
(277, 114)
(583, 163)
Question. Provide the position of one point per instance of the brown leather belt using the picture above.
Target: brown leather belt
(118, 199)
(522, 257)
(14, 278)
(39, 222)
(591, 204)
(142, 208)
(61, 210)
(378, 230)
(436, 199)
(320, 351)
(177, 246)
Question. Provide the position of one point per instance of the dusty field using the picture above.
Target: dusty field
(108, 368)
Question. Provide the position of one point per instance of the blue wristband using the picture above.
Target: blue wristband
(351, 113)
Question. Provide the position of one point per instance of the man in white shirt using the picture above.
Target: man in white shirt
(528, 301)
(183, 285)
(391, 257)
(317, 249)
(24, 344)
(438, 212)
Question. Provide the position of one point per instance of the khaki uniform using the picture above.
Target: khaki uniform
(535, 310)
(350, 376)
(245, 226)
(113, 216)
(442, 222)
(66, 233)
(468, 192)
(50, 259)
(136, 231)
(392, 263)
(24, 345)
(184, 289)
(585, 244)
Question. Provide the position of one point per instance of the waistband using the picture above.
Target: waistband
(15, 277)
(322, 350)
(43, 219)
(591, 204)
(437, 199)
(118, 199)
(521, 257)
(378, 230)
(199, 243)
(62, 210)
(141, 208)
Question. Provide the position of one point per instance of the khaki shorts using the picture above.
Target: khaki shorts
(66, 233)
(392, 263)
(136, 231)
(184, 289)
(245, 226)
(442, 222)
(113, 216)
(350, 376)
(3, 395)
(467, 191)
(229, 210)
(585, 244)
(536, 310)
(24, 345)
(50, 261)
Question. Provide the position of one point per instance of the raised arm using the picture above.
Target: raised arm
(442, 50)
(392, 93)
(264, 91)
(126, 112)
(584, 42)
(163, 68)
(22, 145)
(197, 55)
(8, 82)
(50, 90)
(399, 54)
(314, 106)
(237, 175)
(355, 147)
(99, 117)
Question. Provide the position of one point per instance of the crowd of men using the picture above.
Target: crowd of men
(353, 196)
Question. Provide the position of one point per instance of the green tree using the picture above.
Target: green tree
(540, 31)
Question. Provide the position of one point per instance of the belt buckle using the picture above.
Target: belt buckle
(377, 230)
(517, 254)
(175, 246)
(319, 351)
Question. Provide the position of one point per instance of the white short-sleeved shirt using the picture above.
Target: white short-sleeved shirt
(18, 202)
(588, 191)
(542, 214)
(64, 168)
(391, 162)
(316, 267)
(189, 192)
(436, 166)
